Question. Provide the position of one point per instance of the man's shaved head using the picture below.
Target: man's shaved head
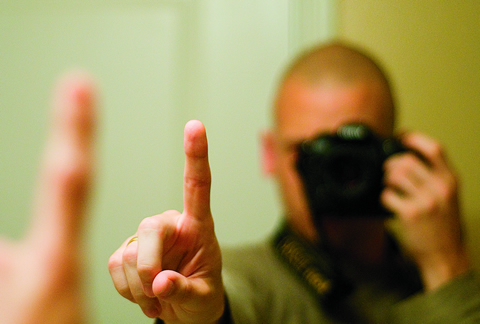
(330, 86)
(339, 64)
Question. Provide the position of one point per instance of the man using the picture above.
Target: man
(319, 267)
(41, 276)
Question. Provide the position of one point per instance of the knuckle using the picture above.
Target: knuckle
(156, 222)
(407, 211)
(150, 307)
(430, 205)
(73, 181)
(180, 291)
(393, 176)
(146, 271)
(435, 150)
(408, 161)
(386, 197)
(70, 173)
(411, 213)
(188, 291)
(448, 191)
(197, 182)
(148, 223)
(114, 261)
(129, 255)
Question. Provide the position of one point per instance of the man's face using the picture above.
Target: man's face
(304, 111)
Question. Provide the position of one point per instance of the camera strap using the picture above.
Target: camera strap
(313, 266)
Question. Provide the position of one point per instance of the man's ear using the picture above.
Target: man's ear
(268, 152)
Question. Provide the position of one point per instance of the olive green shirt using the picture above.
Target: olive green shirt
(262, 288)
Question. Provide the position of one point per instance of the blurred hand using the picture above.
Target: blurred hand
(41, 276)
(173, 271)
(422, 190)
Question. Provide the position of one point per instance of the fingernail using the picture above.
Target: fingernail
(167, 289)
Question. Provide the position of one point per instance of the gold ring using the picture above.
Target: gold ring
(133, 239)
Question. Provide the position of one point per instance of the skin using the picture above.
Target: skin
(174, 270)
(168, 273)
(423, 193)
(41, 275)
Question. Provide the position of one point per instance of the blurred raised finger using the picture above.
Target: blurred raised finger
(67, 168)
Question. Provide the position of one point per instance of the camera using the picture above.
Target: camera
(343, 173)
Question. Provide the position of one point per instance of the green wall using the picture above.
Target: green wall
(432, 49)
(158, 64)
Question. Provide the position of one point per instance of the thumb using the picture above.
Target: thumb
(172, 287)
(67, 167)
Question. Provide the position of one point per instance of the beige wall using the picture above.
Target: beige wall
(432, 50)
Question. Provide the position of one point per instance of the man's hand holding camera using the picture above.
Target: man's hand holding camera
(421, 189)
(172, 266)
(342, 177)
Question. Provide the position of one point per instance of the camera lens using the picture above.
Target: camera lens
(347, 176)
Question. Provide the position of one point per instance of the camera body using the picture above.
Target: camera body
(343, 173)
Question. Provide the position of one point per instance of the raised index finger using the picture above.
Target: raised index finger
(66, 174)
(197, 177)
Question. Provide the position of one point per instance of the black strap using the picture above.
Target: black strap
(313, 266)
